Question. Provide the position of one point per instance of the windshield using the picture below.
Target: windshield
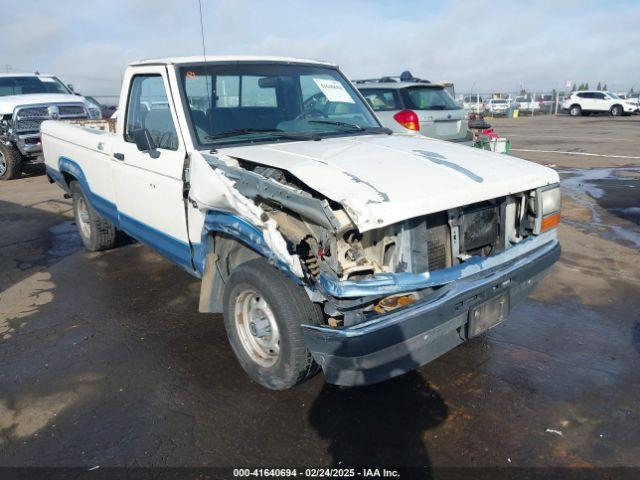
(614, 96)
(247, 103)
(498, 100)
(428, 98)
(26, 84)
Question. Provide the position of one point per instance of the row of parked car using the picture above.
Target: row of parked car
(576, 103)
(500, 106)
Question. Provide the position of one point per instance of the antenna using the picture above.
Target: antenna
(204, 50)
(208, 78)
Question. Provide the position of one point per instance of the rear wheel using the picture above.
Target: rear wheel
(10, 162)
(95, 232)
(616, 111)
(575, 110)
(263, 313)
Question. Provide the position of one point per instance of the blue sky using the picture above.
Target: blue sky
(479, 45)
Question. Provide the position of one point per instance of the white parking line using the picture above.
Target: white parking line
(573, 153)
(538, 136)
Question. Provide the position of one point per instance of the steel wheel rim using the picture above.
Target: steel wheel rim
(257, 328)
(3, 164)
(83, 218)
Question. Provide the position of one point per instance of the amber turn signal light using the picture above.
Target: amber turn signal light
(550, 221)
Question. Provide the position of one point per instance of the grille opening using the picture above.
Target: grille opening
(479, 228)
(438, 241)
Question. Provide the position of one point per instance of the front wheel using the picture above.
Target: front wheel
(10, 162)
(263, 313)
(616, 111)
(95, 232)
(575, 110)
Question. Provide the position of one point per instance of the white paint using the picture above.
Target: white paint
(383, 179)
(212, 190)
(10, 102)
(225, 58)
(574, 153)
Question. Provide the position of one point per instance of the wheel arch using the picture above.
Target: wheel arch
(619, 106)
(227, 242)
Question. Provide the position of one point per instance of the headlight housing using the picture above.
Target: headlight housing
(549, 205)
(94, 113)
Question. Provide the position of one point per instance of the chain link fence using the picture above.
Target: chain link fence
(507, 103)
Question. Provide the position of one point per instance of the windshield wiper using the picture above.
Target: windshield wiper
(267, 131)
(353, 126)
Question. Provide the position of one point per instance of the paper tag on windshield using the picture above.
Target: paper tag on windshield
(333, 90)
(47, 79)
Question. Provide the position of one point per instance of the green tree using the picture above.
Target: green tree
(599, 87)
(631, 92)
(604, 87)
(573, 89)
(586, 86)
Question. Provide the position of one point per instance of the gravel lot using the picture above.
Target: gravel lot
(105, 360)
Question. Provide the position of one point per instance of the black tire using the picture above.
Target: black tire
(10, 162)
(575, 110)
(291, 308)
(616, 111)
(95, 232)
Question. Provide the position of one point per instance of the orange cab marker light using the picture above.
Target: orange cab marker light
(550, 221)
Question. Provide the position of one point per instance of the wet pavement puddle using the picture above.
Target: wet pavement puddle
(614, 190)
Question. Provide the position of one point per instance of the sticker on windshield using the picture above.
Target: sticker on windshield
(333, 90)
(47, 79)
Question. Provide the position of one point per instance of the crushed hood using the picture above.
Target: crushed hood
(9, 102)
(384, 179)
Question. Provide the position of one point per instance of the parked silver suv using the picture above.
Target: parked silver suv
(410, 105)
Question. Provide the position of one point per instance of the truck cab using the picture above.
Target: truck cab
(326, 241)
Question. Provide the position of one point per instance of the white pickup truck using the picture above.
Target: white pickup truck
(26, 100)
(326, 241)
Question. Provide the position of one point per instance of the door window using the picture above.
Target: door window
(149, 108)
(380, 99)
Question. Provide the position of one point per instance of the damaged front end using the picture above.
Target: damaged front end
(394, 297)
(360, 276)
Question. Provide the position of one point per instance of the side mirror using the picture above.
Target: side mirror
(144, 142)
(70, 87)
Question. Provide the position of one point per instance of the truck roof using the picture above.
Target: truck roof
(226, 58)
(24, 74)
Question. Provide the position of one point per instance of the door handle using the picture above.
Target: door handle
(119, 156)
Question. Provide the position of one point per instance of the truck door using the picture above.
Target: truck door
(149, 185)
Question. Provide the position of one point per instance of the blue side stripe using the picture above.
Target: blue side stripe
(175, 250)
(103, 206)
(245, 232)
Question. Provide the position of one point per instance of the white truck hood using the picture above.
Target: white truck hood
(9, 102)
(384, 179)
